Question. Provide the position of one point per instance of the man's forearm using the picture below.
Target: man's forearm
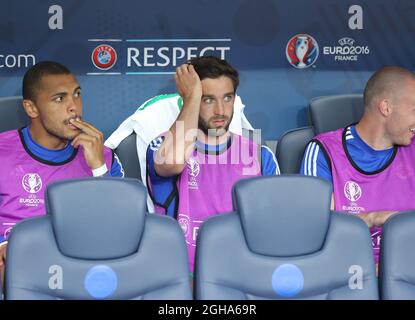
(376, 218)
(367, 218)
(178, 144)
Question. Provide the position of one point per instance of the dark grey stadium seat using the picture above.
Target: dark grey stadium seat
(397, 258)
(12, 114)
(127, 153)
(326, 114)
(333, 112)
(284, 242)
(290, 149)
(96, 242)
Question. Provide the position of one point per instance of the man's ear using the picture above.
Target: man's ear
(385, 108)
(30, 108)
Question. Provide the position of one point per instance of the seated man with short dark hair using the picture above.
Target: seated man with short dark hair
(193, 167)
(56, 145)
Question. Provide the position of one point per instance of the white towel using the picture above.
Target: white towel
(156, 116)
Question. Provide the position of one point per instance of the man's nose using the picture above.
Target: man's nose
(220, 108)
(73, 106)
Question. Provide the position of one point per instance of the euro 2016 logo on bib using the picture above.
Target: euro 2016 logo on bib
(104, 57)
(302, 51)
(184, 223)
(194, 167)
(32, 182)
(352, 191)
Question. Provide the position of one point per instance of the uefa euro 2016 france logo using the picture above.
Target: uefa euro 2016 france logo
(32, 182)
(302, 51)
(193, 166)
(352, 191)
(183, 221)
(104, 57)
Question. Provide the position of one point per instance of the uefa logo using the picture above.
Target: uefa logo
(352, 191)
(104, 57)
(302, 51)
(32, 182)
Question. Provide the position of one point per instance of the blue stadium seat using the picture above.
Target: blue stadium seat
(327, 113)
(12, 114)
(397, 258)
(97, 242)
(290, 149)
(333, 112)
(127, 153)
(284, 243)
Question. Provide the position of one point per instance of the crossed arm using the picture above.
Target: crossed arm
(373, 218)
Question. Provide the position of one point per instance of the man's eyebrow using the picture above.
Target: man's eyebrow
(231, 93)
(63, 93)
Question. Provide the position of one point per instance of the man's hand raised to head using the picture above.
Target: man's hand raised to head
(92, 141)
(177, 145)
(188, 82)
